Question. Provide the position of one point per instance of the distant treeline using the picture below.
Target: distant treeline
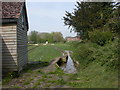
(53, 37)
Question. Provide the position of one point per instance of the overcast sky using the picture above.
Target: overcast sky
(47, 16)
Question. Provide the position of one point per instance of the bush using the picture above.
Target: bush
(83, 52)
(100, 37)
(107, 55)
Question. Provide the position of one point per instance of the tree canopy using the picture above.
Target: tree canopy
(89, 16)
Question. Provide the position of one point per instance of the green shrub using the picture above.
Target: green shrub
(106, 55)
(112, 54)
(100, 37)
(83, 53)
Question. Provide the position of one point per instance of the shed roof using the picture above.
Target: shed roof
(11, 9)
(11, 12)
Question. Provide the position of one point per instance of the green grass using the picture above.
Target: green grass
(91, 73)
(64, 46)
(97, 66)
(43, 53)
(9, 77)
(31, 47)
(94, 76)
(41, 80)
(38, 83)
(26, 83)
(40, 71)
(6, 80)
(15, 87)
(59, 81)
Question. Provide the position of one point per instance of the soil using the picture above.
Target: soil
(39, 77)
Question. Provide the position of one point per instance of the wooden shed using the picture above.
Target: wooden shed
(14, 36)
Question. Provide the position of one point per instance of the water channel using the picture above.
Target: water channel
(69, 67)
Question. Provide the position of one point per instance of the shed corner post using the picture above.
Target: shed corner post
(0, 45)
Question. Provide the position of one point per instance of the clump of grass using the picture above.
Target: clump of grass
(44, 76)
(27, 69)
(57, 72)
(47, 85)
(6, 80)
(35, 86)
(51, 72)
(38, 83)
(40, 71)
(31, 79)
(26, 83)
(15, 86)
(41, 80)
(52, 81)
(9, 77)
(74, 84)
(59, 81)
(49, 76)
(35, 75)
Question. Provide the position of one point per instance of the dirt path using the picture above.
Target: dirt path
(40, 76)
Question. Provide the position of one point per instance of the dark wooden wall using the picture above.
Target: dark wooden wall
(22, 41)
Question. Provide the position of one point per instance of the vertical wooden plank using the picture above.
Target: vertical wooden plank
(22, 41)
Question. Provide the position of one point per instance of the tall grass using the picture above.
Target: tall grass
(98, 65)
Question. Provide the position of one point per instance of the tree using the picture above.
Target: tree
(57, 37)
(114, 22)
(33, 36)
(53, 37)
(88, 16)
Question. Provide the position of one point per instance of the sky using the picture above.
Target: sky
(47, 16)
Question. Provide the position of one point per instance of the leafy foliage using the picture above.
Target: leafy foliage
(43, 37)
(33, 36)
(101, 38)
(89, 16)
(106, 55)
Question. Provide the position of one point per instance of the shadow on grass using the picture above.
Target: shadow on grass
(33, 65)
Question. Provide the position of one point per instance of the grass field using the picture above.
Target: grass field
(92, 76)
(31, 47)
(43, 53)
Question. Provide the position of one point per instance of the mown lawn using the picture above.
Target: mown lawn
(43, 53)
(64, 46)
(30, 47)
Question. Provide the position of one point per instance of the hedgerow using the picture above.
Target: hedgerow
(106, 55)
